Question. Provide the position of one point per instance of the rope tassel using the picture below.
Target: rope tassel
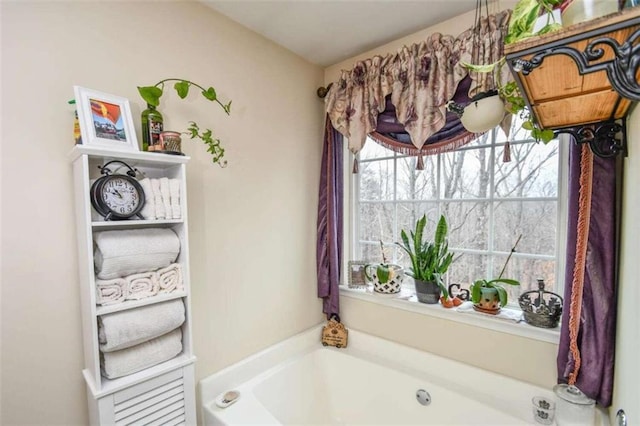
(420, 165)
(506, 154)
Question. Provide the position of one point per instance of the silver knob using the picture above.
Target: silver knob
(621, 418)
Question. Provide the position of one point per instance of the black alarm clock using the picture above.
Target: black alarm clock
(117, 196)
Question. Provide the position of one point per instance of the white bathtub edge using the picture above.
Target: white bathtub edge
(238, 373)
(376, 349)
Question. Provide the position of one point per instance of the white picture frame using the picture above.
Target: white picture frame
(105, 120)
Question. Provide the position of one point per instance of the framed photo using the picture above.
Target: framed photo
(356, 278)
(105, 120)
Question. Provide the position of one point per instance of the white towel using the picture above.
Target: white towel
(128, 328)
(127, 361)
(141, 286)
(166, 197)
(170, 278)
(157, 199)
(130, 251)
(148, 211)
(174, 194)
(504, 314)
(109, 292)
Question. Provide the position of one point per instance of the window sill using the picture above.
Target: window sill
(407, 301)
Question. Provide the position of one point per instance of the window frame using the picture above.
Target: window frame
(352, 195)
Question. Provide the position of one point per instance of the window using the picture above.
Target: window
(488, 204)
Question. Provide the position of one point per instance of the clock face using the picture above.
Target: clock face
(120, 196)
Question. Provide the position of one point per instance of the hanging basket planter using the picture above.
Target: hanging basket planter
(484, 112)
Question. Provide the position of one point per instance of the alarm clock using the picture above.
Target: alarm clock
(117, 196)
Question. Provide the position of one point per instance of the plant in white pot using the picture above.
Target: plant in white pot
(386, 277)
(429, 260)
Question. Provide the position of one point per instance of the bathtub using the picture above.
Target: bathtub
(372, 381)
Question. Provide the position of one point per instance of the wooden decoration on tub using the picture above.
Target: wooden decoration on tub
(334, 333)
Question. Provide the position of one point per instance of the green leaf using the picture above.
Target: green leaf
(546, 135)
(549, 28)
(227, 108)
(505, 281)
(502, 294)
(527, 125)
(210, 94)
(182, 88)
(383, 273)
(476, 291)
(441, 231)
(522, 20)
(479, 68)
(150, 94)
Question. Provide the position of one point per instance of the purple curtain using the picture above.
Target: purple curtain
(596, 324)
(329, 228)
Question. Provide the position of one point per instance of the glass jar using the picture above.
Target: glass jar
(171, 142)
(573, 407)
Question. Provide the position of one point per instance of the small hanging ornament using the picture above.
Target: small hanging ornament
(420, 165)
(334, 333)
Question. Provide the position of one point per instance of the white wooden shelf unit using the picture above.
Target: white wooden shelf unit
(164, 393)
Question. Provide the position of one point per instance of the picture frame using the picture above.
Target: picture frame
(105, 120)
(356, 277)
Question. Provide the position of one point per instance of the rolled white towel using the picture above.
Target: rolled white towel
(141, 286)
(109, 292)
(174, 194)
(157, 199)
(166, 197)
(148, 211)
(128, 361)
(170, 278)
(128, 328)
(125, 252)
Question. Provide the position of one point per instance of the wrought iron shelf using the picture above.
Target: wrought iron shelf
(583, 80)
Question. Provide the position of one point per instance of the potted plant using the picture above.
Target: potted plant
(386, 277)
(152, 95)
(429, 260)
(489, 296)
(527, 13)
(511, 100)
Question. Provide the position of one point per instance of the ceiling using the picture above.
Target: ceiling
(326, 32)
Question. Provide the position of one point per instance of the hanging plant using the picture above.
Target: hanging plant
(514, 102)
(524, 16)
(152, 95)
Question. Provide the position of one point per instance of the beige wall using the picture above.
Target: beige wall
(252, 225)
(525, 359)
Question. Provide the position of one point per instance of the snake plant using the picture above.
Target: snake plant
(429, 259)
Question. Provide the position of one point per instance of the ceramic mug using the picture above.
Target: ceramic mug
(386, 278)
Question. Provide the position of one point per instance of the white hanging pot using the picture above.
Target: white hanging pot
(484, 112)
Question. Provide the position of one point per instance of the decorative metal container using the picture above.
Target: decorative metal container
(541, 308)
(171, 142)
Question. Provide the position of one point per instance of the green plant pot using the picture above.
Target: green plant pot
(427, 291)
(489, 301)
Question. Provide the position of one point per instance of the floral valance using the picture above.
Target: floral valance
(420, 80)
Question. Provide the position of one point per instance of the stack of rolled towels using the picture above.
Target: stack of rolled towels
(162, 199)
(140, 338)
(134, 264)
